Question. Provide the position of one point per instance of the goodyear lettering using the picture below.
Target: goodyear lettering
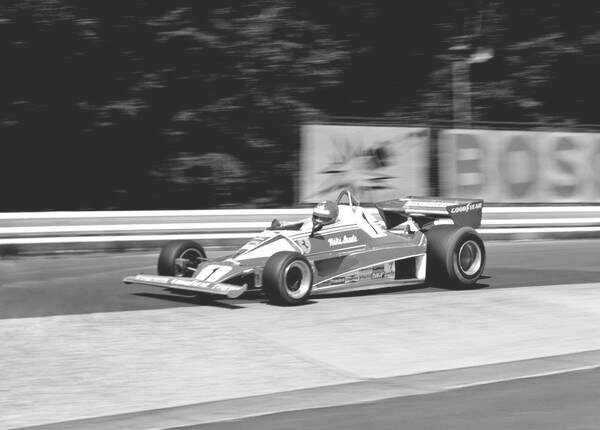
(466, 208)
(344, 240)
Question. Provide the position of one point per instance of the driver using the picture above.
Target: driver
(325, 213)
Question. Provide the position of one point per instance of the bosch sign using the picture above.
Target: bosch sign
(512, 166)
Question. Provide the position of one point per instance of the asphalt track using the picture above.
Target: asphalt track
(555, 402)
(66, 284)
(83, 284)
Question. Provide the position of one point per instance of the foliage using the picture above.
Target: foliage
(138, 104)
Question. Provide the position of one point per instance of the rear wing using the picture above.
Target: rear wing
(428, 209)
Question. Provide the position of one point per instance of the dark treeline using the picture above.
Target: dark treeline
(139, 104)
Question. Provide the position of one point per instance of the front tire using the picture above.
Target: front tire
(180, 258)
(455, 256)
(287, 279)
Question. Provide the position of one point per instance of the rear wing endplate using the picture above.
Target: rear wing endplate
(465, 212)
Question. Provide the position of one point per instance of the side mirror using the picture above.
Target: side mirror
(315, 228)
(275, 224)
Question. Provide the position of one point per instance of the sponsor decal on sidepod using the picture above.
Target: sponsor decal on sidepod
(388, 270)
(378, 273)
(344, 240)
(338, 280)
(353, 277)
(365, 273)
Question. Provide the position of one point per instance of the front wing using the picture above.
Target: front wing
(188, 284)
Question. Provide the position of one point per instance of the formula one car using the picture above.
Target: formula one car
(343, 247)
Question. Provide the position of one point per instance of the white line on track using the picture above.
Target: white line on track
(526, 376)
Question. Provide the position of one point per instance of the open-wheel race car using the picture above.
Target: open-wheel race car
(342, 247)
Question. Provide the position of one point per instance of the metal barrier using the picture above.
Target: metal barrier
(46, 231)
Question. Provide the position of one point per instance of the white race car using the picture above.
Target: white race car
(343, 247)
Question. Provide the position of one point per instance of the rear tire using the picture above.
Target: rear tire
(455, 256)
(180, 258)
(287, 279)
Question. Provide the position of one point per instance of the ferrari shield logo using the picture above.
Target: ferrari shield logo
(304, 244)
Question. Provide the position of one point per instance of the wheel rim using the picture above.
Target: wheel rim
(297, 279)
(469, 258)
(188, 260)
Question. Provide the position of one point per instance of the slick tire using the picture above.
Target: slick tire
(287, 279)
(455, 256)
(180, 258)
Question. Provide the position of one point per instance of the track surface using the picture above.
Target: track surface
(83, 284)
(79, 284)
(565, 401)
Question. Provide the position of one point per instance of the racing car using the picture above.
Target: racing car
(342, 247)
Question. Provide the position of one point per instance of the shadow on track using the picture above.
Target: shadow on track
(257, 296)
(420, 288)
(383, 290)
(477, 286)
(197, 300)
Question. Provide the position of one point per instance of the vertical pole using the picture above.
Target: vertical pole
(461, 93)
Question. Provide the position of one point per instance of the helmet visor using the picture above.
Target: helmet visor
(321, 219)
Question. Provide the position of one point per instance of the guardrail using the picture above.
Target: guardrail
(46, 231)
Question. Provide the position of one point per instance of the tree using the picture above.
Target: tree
(112, 104)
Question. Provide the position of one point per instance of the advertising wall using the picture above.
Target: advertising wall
(517, 166)
(377, 163)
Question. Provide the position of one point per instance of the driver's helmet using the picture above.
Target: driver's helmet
(325, 213)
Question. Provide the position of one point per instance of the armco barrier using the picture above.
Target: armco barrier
(122, 230)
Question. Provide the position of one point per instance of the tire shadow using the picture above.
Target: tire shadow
(383, 290)
(476, 286)
(310, 301)
(421, 288)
